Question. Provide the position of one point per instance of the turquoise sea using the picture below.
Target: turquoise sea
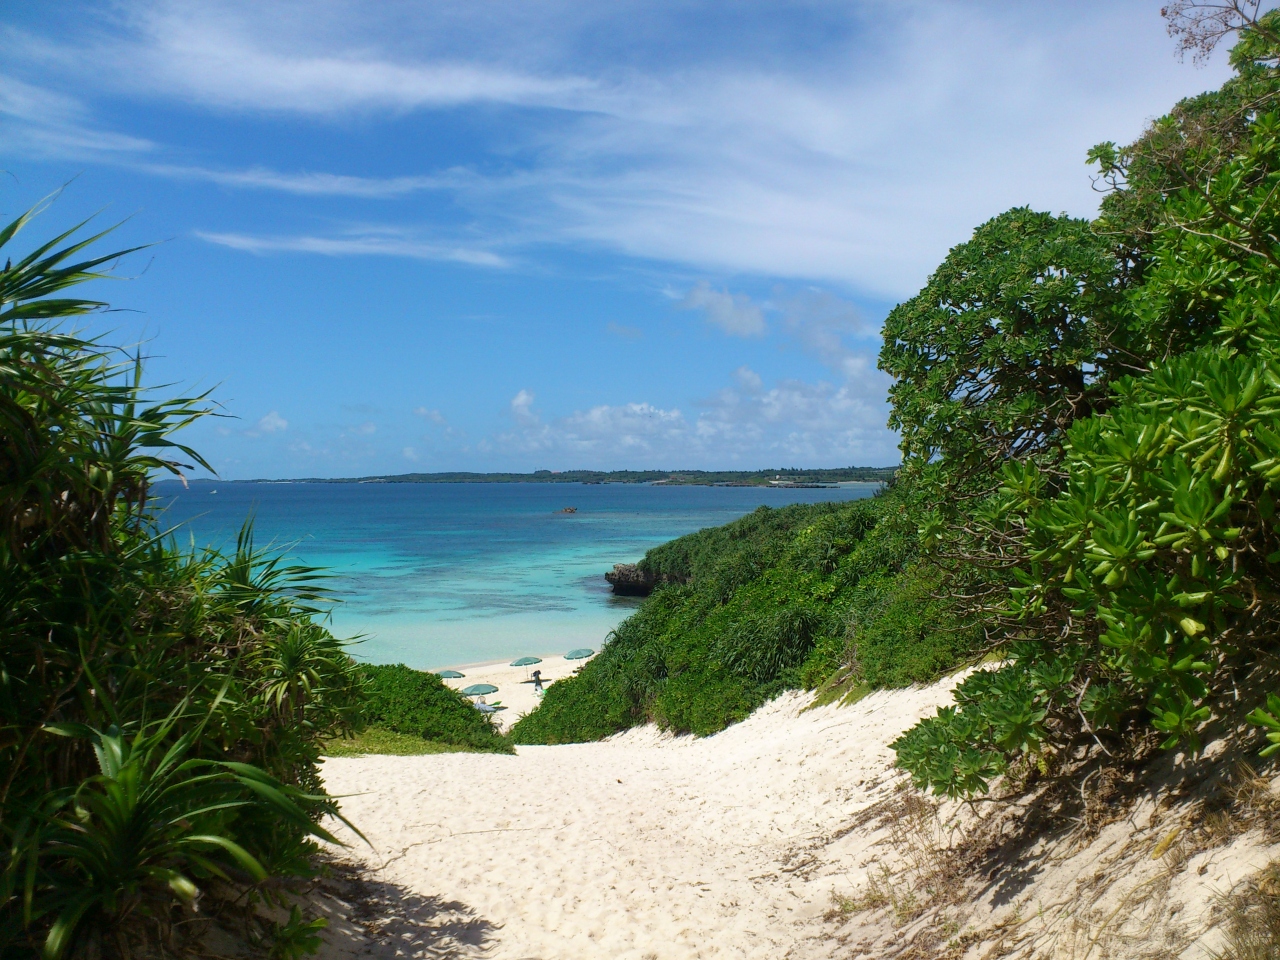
(444, 574)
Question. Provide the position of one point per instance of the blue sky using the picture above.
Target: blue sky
(405, 236)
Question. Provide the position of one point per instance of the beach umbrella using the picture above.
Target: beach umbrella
(479, 689)
(580, 654)
(450, 675)
(526, 662)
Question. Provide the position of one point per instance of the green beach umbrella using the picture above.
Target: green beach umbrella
(580, 654)
(480, 689)
(526, 661)
(450, 675)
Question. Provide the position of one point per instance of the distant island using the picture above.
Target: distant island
(787, 477)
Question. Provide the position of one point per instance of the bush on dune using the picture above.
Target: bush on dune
(776, 600)
(419, 704)
(1131, 551)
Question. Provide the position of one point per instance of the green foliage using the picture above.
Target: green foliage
(381, 741)
(1156, 553)
(777, 599)
(421, 705)
(161, 712)
(1014, 337)
(1144, 561)
(296, 937)
(136, 834)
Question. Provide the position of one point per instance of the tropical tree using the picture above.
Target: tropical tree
(1141, 585)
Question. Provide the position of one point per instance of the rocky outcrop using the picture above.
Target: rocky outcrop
(628, 580)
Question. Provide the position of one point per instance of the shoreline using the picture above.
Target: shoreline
(515, 688)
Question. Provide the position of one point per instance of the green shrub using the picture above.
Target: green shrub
(161, 711)
(1141, 542)
(383, 742)
(422, 705)
(1158, 555)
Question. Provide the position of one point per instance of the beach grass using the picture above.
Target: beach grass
(379, 740)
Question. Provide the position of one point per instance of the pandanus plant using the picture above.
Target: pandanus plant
(160, 710)
(141, 835)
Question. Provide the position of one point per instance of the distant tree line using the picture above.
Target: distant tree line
(755, 478)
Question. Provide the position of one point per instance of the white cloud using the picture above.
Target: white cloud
(304, 183)
(623, 331)
(792, 422)
(366, 429)
(735, 314)
(383, 243)
(41, 122)
(638, 430)
(823, 323)
(273, 423)
(280, 57)
(409, 453)
(522, 408)
(748, 379)
(434, 416)
(831, 423)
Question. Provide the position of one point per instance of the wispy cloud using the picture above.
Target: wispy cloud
(304, 183)
(368, 244)
(790, 422)
(735, 314)
(747, 423)
(868, 140)
(522, 408)
(624, 331)
(823, 324)
(748, 379)
(431, 415)
(49, 124)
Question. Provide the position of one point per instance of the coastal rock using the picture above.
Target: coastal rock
(628, 580)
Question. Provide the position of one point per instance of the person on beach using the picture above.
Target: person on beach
(537, 681)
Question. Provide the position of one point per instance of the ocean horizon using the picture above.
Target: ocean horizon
(442, 574)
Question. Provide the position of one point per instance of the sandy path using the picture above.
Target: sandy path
(642, 846)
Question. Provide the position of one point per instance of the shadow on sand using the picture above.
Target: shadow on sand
(374, 918)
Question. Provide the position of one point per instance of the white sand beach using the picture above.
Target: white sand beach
(515, 686)
(740, 845)
(641, 846)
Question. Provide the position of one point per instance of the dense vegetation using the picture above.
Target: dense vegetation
(780, 598)
(160, 711)
(753, 478)
(1125, 372)
(421, 705)
(1090, 423)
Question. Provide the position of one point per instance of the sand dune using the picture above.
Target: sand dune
(641, 846)
(650, 847)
